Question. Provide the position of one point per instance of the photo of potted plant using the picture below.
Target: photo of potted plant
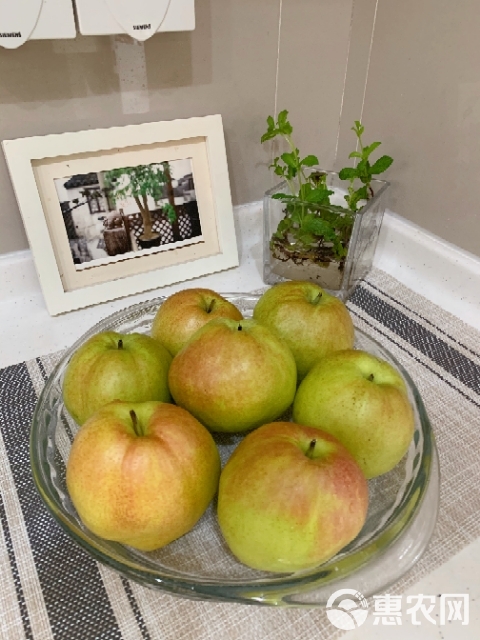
(140, 183)
(127, 210)
(319, 225)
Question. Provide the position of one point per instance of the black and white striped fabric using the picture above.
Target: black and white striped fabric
(51, 589)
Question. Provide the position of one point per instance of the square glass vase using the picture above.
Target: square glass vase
(282, 260)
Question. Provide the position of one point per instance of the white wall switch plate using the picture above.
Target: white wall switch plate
(139, 18)
(17, 21)
(24, 20)
(56, 21)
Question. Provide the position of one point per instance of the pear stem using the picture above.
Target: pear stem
(136, 426)
(120, 344)
(317, 299)
(371, 377)
(211, 305)
(239, 328)
(311, 449)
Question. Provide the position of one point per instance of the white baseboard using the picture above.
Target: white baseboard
(432, 267)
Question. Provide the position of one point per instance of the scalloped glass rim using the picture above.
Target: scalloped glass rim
(366, 564)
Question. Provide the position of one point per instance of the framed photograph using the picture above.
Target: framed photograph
(114, 212)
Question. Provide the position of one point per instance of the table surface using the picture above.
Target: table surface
(28, 330)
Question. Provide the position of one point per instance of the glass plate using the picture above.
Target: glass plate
(401, 517)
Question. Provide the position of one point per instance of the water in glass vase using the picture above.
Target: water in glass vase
(336, 264)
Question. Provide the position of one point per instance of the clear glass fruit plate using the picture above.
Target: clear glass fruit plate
(401, 517)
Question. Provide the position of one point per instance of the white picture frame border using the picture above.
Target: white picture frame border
(23, 154)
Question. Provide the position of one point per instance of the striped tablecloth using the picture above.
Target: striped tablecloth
(51, 589)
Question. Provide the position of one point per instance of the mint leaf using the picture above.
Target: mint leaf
(381, 165)
(358, 128)
(309, 161)
(284, 126)
(296, 213)
(362, 193)
(284, 225)
(282, 196)
(306, 238)
(348, 173)
(319, 227)
(282, 117)
(269, 135)
(289, 159)
(319, 196)
(371, 147)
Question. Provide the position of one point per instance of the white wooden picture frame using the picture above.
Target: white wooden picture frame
(74, 269)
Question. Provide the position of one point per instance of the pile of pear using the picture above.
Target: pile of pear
(144, 465)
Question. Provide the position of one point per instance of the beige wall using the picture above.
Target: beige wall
(412, 76)
(422, 99)
(234, 63)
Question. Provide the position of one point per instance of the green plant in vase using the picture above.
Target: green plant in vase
(363, 171)
(317, 221)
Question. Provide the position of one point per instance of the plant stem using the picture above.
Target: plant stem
(311, 449)
(300, 173)
(136, 426)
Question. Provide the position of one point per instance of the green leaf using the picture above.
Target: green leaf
(268, 136)
(348, 173)
(270, 122)
(283, 125)
(319, 227)
(284, 225)
(296, 213)
(363, 169)
(290, 160)
(381, 165)
(282, 117)
(355, 154)
(371, 147)
(319, 195)
(359, 128)
(306, 238)
(309, 161)
(340, 250)
(355, 196)
(362, 193)
(344, 222)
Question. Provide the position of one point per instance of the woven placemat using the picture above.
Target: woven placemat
(51, 589)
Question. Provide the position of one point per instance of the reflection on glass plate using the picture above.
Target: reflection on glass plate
(401, 518)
